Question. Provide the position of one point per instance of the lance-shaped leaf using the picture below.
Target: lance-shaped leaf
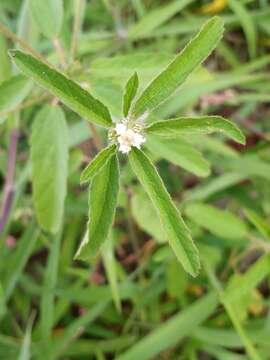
(182, 66)
(196, 125)
(181, 153)
(48, 15)
(49, 156)
(178, 234)
(130, 92)
(68, 91)
(97, 163)
(102, 204)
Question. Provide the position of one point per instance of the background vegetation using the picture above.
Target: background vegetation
(134, 300)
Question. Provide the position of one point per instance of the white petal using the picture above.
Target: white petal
(120, 129)
(124, 148)
(138, 140)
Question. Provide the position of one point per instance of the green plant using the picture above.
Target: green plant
(127, 136)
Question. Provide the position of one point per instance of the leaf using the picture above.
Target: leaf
(156, 18)
(49, 156)
(97, 163)
(178, 234)
(48, 16)
(130, 93)
(13, 91)
(259, 223)
(171, 332)
(145, 216)
(196, 125)
(181, 153)
(102, 204)
(25, 352)
(69, 92)
(248, 25)
(249, 280)
(182, 66)
(225, 223)
(5, 69)
(110, 265)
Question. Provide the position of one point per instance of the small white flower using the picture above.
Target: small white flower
(127, 138)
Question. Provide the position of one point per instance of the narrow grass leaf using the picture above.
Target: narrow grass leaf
(180, 153)
(25, 353)
(109, 261)
(102, 204)
(260, 224)
(172, 331)
(18, 260)
(182, 66)
(196, 125)
(48, 288)
(48, 16)
(248, 281)
(178, 234)
(49, 156)
(156, 18)
(12, 92)
(97, 163)
(68, 91)
(226, 224)
(130, 92)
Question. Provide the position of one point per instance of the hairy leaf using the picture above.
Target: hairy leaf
(97, 163)
(178, 234)
(130, 92)
(182, 66)
(196, 125)
(68, 91)
(49, 156)
(181, 153)
(48, 15)
(103, 194)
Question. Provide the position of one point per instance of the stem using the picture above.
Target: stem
(9, 34)
(76, 28)
(96, 138)
(9, 182)
(60, 52)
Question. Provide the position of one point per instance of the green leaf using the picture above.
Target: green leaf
(13, 91)
(156, 18)
(248, 281)
(48, 16)
(182, 66)
(145, 215)
(25, 352)
(103, 194)
(97, 163)
(69, 92)
(225, 223)
(248, 25)
(5, 69)
(178, 234)
(260, 224)
(196, 125)
(181, 153)
(49, 156)
(130, 93)
(170, 333)
(110, 264)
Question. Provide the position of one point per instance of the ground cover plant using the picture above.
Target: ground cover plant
(135, 179)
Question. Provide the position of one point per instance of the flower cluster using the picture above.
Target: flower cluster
(127, 137)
